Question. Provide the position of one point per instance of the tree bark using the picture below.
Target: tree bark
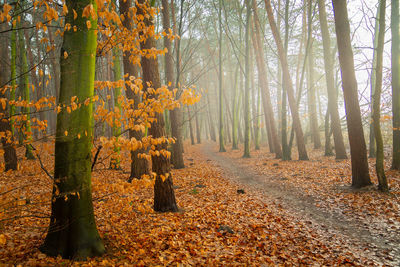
(246, 111)
(340, 149)
(176, 114)
(358, 150)
(72, 232)
(395, 83)
(164, 195)
(263, 82)
(10, 155)
(139, 166)
(380, 167)
(288, 84)
(26, 131)
(221, 75)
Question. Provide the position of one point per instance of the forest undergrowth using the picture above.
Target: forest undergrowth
(216, 225)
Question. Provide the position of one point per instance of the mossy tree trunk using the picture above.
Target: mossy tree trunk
(358, 150)
(164, 195)
(24, 85)
(72, 232)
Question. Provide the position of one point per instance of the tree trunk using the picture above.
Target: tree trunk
(328, 147)
(139, 166)
(211, 122)
(115, 162)
(191, 132)
(13, 63)
(358, 150)
(330, 85)
(221, 75)
(372, 144)
(395, 83)
(164, 196)
(198, 132)
(26, 131)
(380, 167)
(235, 115)
(176, 114)
(72, 232)
(263, 82)
(10, 155)
(288, 84)
(312, 102)
(246, 111)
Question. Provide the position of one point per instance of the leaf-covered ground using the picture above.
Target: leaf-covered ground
(216, 225)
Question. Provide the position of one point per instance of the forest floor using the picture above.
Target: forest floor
(295, 213)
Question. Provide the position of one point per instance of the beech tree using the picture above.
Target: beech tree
(72, 232)
(340, 149)
(288, 84)
(358, 150)
(164, 196)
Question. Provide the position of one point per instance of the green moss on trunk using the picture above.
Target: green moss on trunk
(72, 232)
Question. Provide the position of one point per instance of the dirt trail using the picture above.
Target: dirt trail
(383, 247)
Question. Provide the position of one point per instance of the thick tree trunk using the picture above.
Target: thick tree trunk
(139, 166)
(330, 85)
(72, 232)
(263, 82)
(395, 83)
(288, 84)
(358, 150)
(380, 167)
(176, 114)
(164, 195)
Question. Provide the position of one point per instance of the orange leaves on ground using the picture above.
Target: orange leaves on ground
(261, 232)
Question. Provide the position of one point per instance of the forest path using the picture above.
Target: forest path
(383, 247)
